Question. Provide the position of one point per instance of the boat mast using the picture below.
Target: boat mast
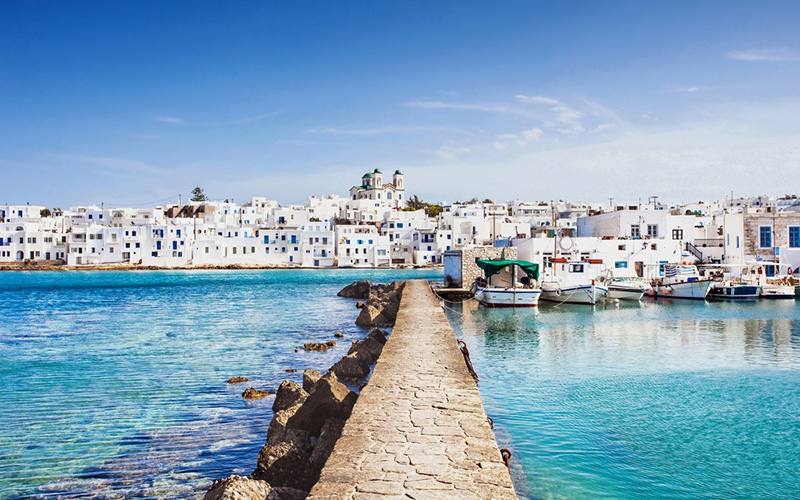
(555, 236)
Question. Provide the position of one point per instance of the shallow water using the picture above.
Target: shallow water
(658, 400)
(114, 382)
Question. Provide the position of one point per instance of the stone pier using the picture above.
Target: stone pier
(418, 430)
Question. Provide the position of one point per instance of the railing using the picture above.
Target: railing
(694, 251)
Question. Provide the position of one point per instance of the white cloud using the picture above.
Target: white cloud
(499, 108)
(603, 126)
(167, 119)
(688, 89)
(114, 163)
(772, 55)
(568, 118)
(389, 129)
(449, 152)
(500, 145)
(533, 134)
(539, 99)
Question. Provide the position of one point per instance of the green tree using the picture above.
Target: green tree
(45, 212)
(198, 194)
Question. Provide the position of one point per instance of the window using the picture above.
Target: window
(621, 264)
(765, 236)
(737, 242)
(652, 230)
(576, 268)
(621, 247)
(794, 236)
(635, 231)
(677, 234)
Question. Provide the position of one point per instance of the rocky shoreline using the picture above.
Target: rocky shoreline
(308, 420)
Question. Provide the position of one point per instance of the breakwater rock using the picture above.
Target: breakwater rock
(382, 302)
(305, 426)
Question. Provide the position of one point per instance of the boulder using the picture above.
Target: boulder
(253, 393)
(330, 398)
(369, 349)
(286, 463)
(285, 493)
(277, 432)
(310, 378)
(289, 394)
(327, 439)
(352, 366)
(372, 315)
(338, 334)
(378, 335)
(359, 305)
(237, 380)
(358, 290)
(240, 488)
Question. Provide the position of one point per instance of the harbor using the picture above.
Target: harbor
(573, 390)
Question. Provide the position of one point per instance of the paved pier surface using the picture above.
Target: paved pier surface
(418, 429)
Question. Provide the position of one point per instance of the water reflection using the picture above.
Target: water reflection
(663, 399)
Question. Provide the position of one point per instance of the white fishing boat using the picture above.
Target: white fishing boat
(776, 286)
(624, 284)
(681, 281)
(507, 283)
(573, 282)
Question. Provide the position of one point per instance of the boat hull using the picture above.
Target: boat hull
(625, 293)
(777, 292)
(508, 297)
(734, 292)
(582, 294)
(696, 290)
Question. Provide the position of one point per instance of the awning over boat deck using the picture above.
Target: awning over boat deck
(491, 267)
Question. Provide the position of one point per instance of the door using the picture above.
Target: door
(639, 267)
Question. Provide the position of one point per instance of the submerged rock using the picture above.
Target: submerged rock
(253, 393)
(240, 488)
(291, 370)
(338, 334)
(237, 380)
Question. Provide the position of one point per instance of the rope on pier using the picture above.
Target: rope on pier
(506, 454)
(465, 352)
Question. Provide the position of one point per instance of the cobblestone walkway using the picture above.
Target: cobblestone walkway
(418, 429)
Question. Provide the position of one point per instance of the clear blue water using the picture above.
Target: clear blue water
(658, 400)
(113, 383)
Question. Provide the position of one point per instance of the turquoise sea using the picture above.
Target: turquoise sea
(658, 400)
(114, 384)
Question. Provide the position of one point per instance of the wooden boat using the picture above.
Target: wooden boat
(501, 287)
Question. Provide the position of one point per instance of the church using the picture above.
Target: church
(373, 188)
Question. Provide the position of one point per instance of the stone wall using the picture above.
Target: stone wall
(779, 222)
(470, 270)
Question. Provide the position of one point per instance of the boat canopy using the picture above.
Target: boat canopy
(491, 267)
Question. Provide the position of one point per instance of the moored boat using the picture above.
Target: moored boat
(681, 281)
(624, 284)
(732, 290)
(500, 286)
(573, 282)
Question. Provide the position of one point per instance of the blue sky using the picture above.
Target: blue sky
(132, 103)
